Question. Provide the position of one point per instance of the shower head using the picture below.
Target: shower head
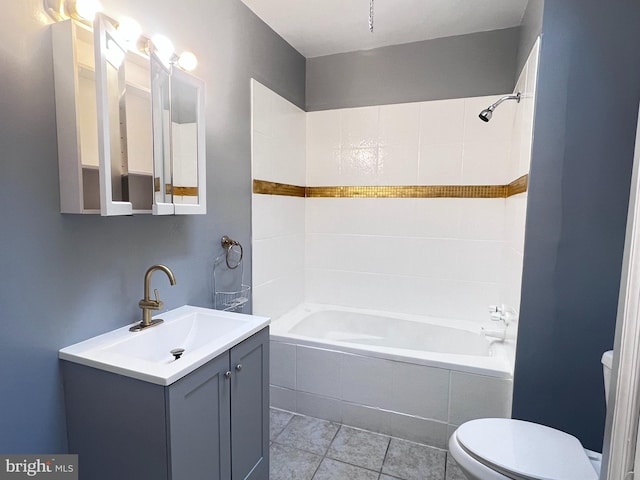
(487, 113)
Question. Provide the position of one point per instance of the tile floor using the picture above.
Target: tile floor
(306, 448)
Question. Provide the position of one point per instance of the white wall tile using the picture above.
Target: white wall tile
(368, 418)
(491, 397)
(262, 100)
(442, 121)
(359, 127)
(440, 164)
(438, 217)
(397, 165)
(399, 125)
(323, 148)
(278, 296)
(319, 407)
(276, 216)
(483, 218)
(277, 257)
(282, 364)
(419, 390)
(432, 256)
(366, 380)
(359, 166)
(318, 371)
(486, 163)
(264, 154)
(480, 261)
(361, 216)
(416, 429)
(283, 398)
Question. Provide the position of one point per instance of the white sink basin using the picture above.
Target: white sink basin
(146, 355)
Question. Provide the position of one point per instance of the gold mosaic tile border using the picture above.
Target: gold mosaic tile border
(274, 188)
(519, 185)
(399, 191)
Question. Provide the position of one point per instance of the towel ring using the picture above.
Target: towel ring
(228, 244)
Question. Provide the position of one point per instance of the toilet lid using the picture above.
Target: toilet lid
(526, 450)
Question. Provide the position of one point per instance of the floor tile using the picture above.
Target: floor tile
(413, 461)
(288, 463)
(453, 471)
(309, 434)
(334, 470)
(278, 420)
(359, 447)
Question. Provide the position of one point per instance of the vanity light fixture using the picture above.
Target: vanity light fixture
(85, 9)
(163, 48)
(130, 32)
(187, 61)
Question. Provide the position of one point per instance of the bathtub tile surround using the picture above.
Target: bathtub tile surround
(442, 257)
(354, 454)
(417, 402)
(491, 397)
(392, 150)
(278, 152)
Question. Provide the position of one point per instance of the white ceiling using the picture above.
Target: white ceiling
(323, 27)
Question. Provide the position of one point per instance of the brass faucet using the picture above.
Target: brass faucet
(146, 304)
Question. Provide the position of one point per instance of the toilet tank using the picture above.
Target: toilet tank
(607, 361)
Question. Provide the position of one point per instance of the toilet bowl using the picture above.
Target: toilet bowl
(507, 449)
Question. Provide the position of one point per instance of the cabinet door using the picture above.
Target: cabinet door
(199, 426)
(250, 408)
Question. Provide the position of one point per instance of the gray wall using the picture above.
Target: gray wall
(453, 67)
(529, 31)
(586, 113)
(65, 278)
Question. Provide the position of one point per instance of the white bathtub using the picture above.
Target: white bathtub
(403, 375)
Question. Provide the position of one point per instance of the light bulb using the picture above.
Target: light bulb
(87, 9)
(129, 31)
(164, 48)
(187, 61)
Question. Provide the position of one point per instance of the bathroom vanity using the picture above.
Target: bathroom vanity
(209, 422)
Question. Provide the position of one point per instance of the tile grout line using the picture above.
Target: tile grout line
(326, 451)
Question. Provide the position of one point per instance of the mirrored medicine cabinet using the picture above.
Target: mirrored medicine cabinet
(131, 134)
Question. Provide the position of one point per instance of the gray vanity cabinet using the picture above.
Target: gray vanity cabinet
(212, 424)
(199, 423)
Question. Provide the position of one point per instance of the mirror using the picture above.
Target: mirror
(110, 53)
(130, 129)
(161, 101)
(187, 143)
(139, 133)
(178, 140)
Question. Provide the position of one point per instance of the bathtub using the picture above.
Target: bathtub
(412, 377)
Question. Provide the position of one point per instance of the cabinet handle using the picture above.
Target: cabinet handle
(239, 367)
(227, 375)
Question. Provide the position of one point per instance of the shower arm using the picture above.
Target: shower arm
(515, 97)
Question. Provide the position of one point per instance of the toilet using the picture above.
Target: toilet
(507, 449)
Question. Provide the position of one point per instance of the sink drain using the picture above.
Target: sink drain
(177, 352)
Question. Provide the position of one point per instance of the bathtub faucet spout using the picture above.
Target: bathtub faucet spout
(503, 313)
(505, 316)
